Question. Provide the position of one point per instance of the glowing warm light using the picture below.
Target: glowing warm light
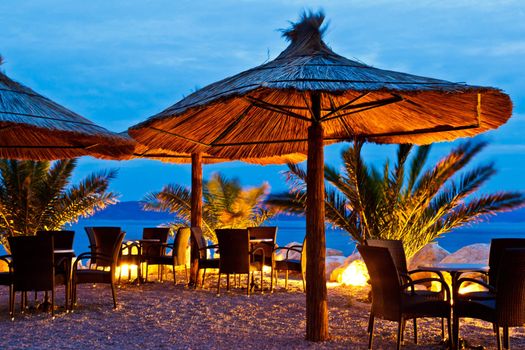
(469, 288)
(355, 274)
(128, 271)
(267, 269)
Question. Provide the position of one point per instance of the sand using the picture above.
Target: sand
(165, 316)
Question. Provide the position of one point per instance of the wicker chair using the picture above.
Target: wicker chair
(395, 247)
(507, 306)
(33, 268)
(155, 253)
(108, 242)
(497, 250)
(204, 262)
(62, 240)
(6, 278)
(294, 265)
(236, 256)
(390, 300)
(269, 234)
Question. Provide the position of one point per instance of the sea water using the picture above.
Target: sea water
(293, 229)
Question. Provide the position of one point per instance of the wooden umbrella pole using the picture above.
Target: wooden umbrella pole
(316, 294)
(196, 211)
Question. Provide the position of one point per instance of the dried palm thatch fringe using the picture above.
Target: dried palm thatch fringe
(34, 127)
(265, 111)
(143, 152)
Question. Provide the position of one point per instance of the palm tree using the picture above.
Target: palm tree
(37, 195)
(225, 204)
(406, 202)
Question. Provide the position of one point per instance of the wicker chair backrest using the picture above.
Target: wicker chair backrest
(155, 249)
(197, 235)
(384, 278)
(181, 244)
(234, 250)
(62, 240)
(32, 262)
(510, 287)
(106, 239)
(497, 250)
(395, 247)
(264, 232)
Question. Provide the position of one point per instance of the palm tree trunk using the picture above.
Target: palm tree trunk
(316, 294)
(196, 210)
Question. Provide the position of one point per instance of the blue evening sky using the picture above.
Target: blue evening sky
(119, 62)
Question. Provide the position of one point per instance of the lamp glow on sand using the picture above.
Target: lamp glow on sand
(355, 274)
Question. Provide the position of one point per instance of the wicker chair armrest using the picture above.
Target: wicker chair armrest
(129, 245)
(405, 277)
(476, 281)
(213, 246)
(411, 272)
(155, 246)
(89, 255)
(288, 249)
(444, 285)
(256, 249)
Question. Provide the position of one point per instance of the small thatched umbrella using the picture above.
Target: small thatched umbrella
(34, 127)
(309, 96)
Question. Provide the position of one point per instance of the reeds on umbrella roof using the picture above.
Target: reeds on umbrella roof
(265, 111)
(34, 127)
(166, 156)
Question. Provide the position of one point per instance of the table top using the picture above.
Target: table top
(456, 267)
(64, 251)
(260, 240)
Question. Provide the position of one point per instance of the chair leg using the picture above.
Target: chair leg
(174, 275)
(11, 302)
(304, 282)
(399, 332)
(415, 331)
(203, 277)
(449, 328)
(498, 337)
(22, 307)
(506, 337)
(455, 335)
(248, 287)
(442, 328)
(370, 330)
(147, 269)
(262, 289)
(161, 273)
(53, 303)
(286, 280)
(218, 283)
(228, 282)
(271, 280)
(114, 294)
(186, 273)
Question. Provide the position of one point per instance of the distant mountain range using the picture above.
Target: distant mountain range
(132, 210)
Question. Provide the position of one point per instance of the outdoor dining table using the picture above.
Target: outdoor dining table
(455, 270)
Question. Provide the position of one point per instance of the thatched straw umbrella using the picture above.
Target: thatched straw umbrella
(309, 96)
(34, 127)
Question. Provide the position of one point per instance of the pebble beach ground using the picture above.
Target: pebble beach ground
(165, 316)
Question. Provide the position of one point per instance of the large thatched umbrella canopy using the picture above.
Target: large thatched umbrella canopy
(309, 96)
(34, 127)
